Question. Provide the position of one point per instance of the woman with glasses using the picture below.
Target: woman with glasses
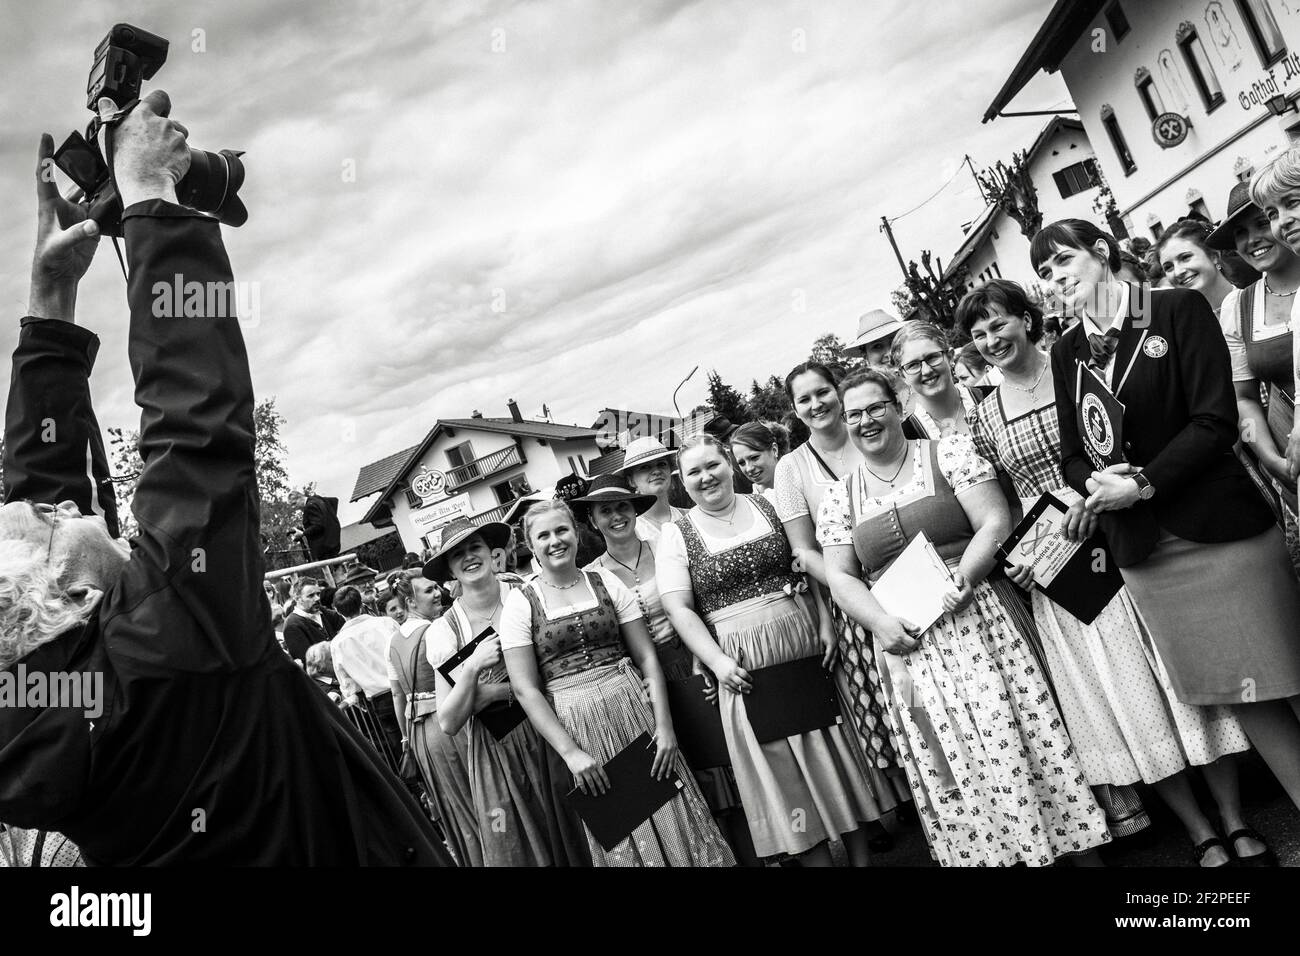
(726, 581)
(942, 405)
(1123, 717)
(995, 776)
(802, 478)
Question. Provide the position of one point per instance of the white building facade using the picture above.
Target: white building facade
(1180, 98)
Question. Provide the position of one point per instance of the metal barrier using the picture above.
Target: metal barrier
(326, 565)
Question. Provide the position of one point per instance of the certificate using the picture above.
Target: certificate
(1080, 576)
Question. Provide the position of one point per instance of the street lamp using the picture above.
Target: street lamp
(679, 388)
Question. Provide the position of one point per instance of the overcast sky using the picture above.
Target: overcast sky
(568, 202)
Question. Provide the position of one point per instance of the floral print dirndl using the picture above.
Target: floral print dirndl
(996, 778)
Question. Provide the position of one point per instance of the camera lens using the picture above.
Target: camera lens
(212, 185)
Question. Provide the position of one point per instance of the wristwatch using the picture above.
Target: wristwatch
(1145, 488)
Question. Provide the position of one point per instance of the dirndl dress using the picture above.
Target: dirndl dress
(996, 778)
(518, 784)
(443, 759)
(598, 698)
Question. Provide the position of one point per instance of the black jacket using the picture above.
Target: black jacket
(320, 523)
(213, 747)
(1180, 425)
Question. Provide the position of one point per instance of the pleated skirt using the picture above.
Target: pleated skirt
(604, 709)
(1224, 617)
(518, 785)
(804, 789)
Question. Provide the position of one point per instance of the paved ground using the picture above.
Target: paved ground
(1165, 843)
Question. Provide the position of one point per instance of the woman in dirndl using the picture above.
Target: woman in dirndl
(577, 650)
(442, 759)
(802, 477)
(518, 782)
(1123, 716)
(726, 580)
(996, 778)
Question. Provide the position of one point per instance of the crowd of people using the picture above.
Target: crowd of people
(460, 709)
(1012, 730)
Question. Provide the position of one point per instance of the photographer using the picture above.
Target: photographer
(213, 747)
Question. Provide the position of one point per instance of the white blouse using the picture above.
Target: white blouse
(673, 567)
(1260, 332)
(517, 612)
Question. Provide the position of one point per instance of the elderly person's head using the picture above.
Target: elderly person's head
(319, 661)
(55, 565)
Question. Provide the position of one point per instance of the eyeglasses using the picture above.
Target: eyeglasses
(934, 360)
(876, 410)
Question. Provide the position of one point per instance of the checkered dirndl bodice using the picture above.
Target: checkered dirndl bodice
(579, 641)
(749, 570)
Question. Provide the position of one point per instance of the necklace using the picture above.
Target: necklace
(1043, 371)
(561, 587)
(1280, 295)
(640, 550)
(840, 457)
(717, 517)
(485, 618)
(897, 471)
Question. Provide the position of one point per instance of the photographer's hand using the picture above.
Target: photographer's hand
(149, 152)
(65, 244)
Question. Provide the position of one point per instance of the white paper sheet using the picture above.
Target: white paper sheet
(914, 585)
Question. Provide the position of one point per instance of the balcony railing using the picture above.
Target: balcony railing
(492, 514)
(479, 468)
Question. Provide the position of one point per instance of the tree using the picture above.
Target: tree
(826, 350)
(726, 401)
(278, 517)
(1012, 190)
(936, 294)
(769, 403)
(903, 301)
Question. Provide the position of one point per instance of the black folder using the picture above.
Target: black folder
(698, 724)
(789, 699)
(1089, 579)
(1099, 416)
(499, 718)
(633, 796)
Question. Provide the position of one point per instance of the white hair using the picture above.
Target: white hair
(34, 608)
(1280, 175)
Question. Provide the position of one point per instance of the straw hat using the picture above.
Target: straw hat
(872, 327)
(610, 488)
(495, 533)
(642, 451)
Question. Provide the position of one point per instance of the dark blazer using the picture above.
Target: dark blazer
(320, 523)
(301, 633)
(203, 718)
(1180, 425)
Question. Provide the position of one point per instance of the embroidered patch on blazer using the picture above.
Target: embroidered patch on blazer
(1155, 347)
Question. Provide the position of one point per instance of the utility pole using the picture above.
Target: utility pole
(884, 227)
(978, 184)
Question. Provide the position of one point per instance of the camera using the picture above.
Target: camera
(124, 59)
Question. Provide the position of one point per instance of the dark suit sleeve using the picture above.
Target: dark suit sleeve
(196, 502)
(1205, 370)
(296, 640)
(313, 519)
(1075, 464)
(53, 450)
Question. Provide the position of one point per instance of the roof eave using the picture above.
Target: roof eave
(1054, 39)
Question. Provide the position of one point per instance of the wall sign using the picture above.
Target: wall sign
(434, 516)
(429, 484)
(1170, 129)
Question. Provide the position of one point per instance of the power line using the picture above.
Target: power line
(932, 195)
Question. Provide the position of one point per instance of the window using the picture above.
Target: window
(1078, 178)
(1149, 94)
(1201, 68)
(1263, 30)
(996, 271)
(458, 455)
(1118, 22)
(1157, 227)
(504, 492)
(1117, 141)
(1245, 174)
(1198, 210)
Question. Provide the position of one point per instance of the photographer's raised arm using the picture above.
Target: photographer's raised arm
(53, 450)
(196, 501)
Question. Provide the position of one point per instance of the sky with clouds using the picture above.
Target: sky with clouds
(569, 202)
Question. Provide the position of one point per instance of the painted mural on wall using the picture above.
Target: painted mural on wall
(1222, 36)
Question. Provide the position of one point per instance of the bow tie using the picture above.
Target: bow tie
(1103, 347)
